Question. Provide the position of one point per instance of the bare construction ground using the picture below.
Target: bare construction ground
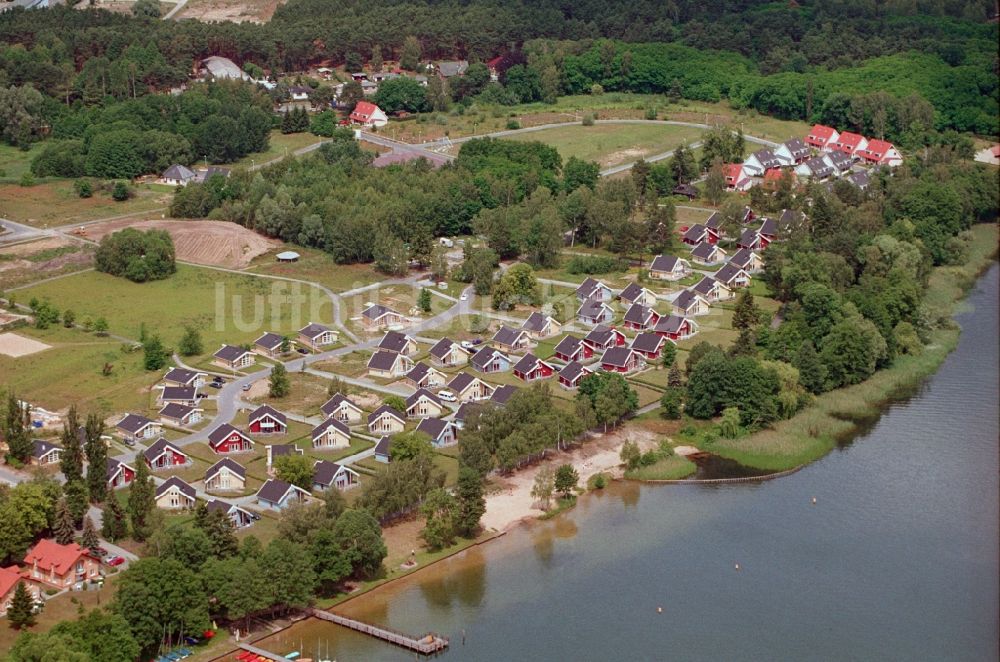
(33, 261)
(237, 11)
(212, 243)
(15, 346)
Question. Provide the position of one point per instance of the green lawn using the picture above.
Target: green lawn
(71, 372)
(279, 145)
(14, 162)
(54, 203)
(318, 267)
(225, 307)
(612, 145)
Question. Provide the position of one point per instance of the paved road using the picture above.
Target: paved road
(18, 232)
(173, 12)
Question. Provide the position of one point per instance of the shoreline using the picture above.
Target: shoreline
(601, 455)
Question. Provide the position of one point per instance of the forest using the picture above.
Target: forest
(888, 69)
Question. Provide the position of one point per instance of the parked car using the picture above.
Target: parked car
(218, 380)
(302, 350)
(202, 395)
(464, 297)
(447, 396)
(101, 552)
(466, 344)
(216, 385)
(247, 387)
(115, 560)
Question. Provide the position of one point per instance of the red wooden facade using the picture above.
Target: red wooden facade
(234, 443)
(268, 424)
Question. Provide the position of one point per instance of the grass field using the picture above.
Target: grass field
(14, 162)
(226, 307)
(612, 145)
(54, 203)
(672, 467)
(280, 145)
(318, 267)
(71, 372)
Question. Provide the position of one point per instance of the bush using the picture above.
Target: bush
(651, 113)
(83, 188)
(596, 89)
(136, 255)
(121, 191)
(27, 179)
(513, 125)
(588, 119)
(593, 264)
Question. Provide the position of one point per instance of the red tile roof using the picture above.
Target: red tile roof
(9, 577)
(849, 139)
(732, 171)
(49, 554)
(821, 132)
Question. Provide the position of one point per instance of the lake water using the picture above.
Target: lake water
(897, 560)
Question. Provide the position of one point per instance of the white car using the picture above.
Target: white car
(464, 297)
(468, 344)
(447, 396)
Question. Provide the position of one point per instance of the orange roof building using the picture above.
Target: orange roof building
(60, 565)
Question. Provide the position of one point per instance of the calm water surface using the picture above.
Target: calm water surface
(896, 561)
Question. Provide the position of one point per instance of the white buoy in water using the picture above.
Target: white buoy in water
(659, 610)
(737, 566)
(814, 500)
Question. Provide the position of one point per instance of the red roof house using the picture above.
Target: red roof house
(821, 136)
(60, 565)
(369, 114)
(881, 152)
(849, 143)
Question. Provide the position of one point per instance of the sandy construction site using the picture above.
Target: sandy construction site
(15, 346)
(212, 243)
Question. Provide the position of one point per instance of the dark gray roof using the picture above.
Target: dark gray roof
(442, 347)
(384, 409)
(819, 167)
(267, 410)
(573, 370)
(393, 341)
(275, 490)
(325, 471)
(527, 363)
(230, 353)
(703, 250)
(647, 342)
(671, 324)
(714, 221)
(181, 376)
(184, 393)
(631, 292)
(422, 393)
(749, 237)
(330, 423)
(741, 258)
(588, 287)
(40, 449)
(705, 286)
(637, 314)
(434, 427)
(790, 218)
(591, 308)
(313, 330)
(113, 466)
(418, 373)
(484, 356)
(229, 463)
(160, 446)
(178, 171)
(617, 356)
(383, 447)
(600, 335)
(727, 273)
(768, 227)
(766, 158)
(281, 450)
(181, 486)
(133, 423)
(461, 381)
(220, 505)
(220, 433)
(507, 336)
(334, 403)
(377, 310)
(503, 393)
(271, 341)
(450, 68)
(383, 360)
(796, 147)
(685, 299)
(569, 345)
(664, 262)
(695, 232)
(859, 179)
(536, 322)
(745, 214)
(840, 160)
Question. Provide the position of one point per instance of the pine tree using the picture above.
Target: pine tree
(278, 381)
(471, 502)
(376, 61)
(669, 354)
(89, 539)
(424, 300)
(190, 343)
(16, 427)
(113, 524)
(77, 500)
(22, 606)
(286, 123)
(674, 377)
(715, 183)
(72, 454)
(97, 458)
(140, 501)
(201, 516)
(745, 344)
(62, 528)
(222, 533)
(746, 314)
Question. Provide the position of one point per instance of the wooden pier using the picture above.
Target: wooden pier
(427, 645)
(263, 653)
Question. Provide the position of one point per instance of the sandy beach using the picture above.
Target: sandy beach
(513, 503)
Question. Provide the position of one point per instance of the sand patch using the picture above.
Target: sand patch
(212, 243)
(15, 346)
